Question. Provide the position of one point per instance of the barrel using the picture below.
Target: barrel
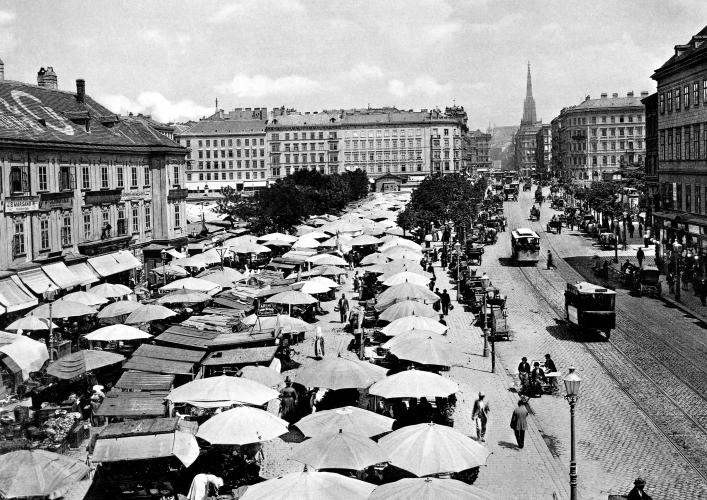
(21, 414)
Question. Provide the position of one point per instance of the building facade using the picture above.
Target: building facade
(543, 151)
(682, 145)
(599, 136)
(650, 104)
(84, 192)
(524, 141)
(478, 152)
(226, 153)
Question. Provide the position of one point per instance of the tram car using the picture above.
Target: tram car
(591, 307)
(525, 246)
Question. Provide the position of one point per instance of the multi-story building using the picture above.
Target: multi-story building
(524, 140)
(598, 136)
(651, 164)
(86, 195)
(226, 153)
(543, 151)
(479, 157)
(682, 144)
(556, 147)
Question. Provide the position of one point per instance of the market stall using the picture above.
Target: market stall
(144, 458)
(132, 405)
(229, 362)
(137, 381)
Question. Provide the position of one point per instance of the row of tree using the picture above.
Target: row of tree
(440, 199)
(292, 199)
(608, 197)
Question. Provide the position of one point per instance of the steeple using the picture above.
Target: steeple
(529, 115)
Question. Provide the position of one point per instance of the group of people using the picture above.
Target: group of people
(533, 380)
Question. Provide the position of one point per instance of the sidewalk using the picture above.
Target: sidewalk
(535, 472)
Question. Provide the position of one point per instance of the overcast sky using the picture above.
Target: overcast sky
(173, 58)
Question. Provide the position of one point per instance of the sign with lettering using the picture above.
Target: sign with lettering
(177, 194)
(104, 196)
(48, 201)
(266, 310)
(135, 195)
(17, 204)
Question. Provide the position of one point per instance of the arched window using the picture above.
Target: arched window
(603, 160)
(613, 160)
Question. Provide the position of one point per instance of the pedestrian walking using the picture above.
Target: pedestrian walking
(646, 238)
(637, 492)
(343, 308)
(519, 422)
(703, 291)
(631, 229)
(480, 415)
(288, 401)
(435, 255)
(443, 259)
(640, 229)
(319, 343)
(446, 300)
(432, 283)
(550, 263)
(640, 256)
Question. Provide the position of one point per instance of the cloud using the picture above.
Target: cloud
(6, 17)
(156, 105)
(421, 85)
(169, 41)
(363, 72)
(253, 8)
(261, 86)
(440, 33)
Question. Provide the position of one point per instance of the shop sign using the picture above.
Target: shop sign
(266, 310)
(135, 195)
(48, 201)
(107, 196)
(18, 204)
(177, 194)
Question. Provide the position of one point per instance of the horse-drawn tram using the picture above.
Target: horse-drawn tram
(525, 245)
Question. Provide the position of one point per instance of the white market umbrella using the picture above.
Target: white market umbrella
(292, 298)
(222, 391)
(29, 323)
(242, 425)
(414, 322)
(278, 237)
(429, 488)
(312, 287)
(61, 309)
(339, 450)
(287, 323)
(414, 384)
(351, 419)
(111, 291)
(401, 242)
(119, 308)
(408, 308)
(248, 247)
(327, 260)
(193, 284)
(402, 252)
(309, 485)
(85, 298)
(306, 242)
(322, 280)
(114, 333)
(340, 373)
(364, 240)
(405, 291)
(147, 313)
(407, 277)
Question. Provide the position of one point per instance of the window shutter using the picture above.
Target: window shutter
(25, 179)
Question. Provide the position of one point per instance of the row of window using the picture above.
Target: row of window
(606, 146)
(313, 158)
(605, 160)
(378, 156)
(208, 142)
(239, 164)
(582, 120)
(239, 175)
(682, 97)
(676, 196)
(275, 136)
(278, 171)
(682, 143)
(275, 147)
(224, 153)
(388, 143)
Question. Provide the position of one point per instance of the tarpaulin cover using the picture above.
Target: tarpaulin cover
(178, 444)
(14, 296)
(61, 275)
(38, 474)
(29, 355)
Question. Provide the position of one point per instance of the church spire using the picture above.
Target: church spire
(529, 115)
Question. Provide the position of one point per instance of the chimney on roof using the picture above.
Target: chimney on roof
(604, 96)
(629, 94)
(47, 78)
(2, 70)
(644, 93)
(587, 98)
(614, 95)
(80, 90)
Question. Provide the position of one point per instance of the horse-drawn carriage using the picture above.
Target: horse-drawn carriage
(607, 240)
(534, 213)
(554, 226)
(538, 195)
(527, 186)
(557, 203)
(647, 280)
(474, 253)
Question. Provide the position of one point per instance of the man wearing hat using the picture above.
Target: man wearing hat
(519, 422)
(637, 492)
(288, 401)
(480, 415)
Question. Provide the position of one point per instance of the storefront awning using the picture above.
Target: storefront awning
(177, 444)
(250, 184)
(175, 254)
(36, 280)
(127, 261)
(14, 296)
(84, 273)
(105, 265)
(61, 275)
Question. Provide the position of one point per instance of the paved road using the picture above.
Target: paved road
(642, 410)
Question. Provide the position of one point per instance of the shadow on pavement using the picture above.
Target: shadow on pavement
(506, 444)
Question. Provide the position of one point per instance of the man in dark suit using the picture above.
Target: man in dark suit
(524, 371)
(637, 492)
(519, 422)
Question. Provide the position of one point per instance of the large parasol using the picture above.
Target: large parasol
(222, 391)
(408, 308)
(147, 313)
(309, 485)
(242, 425)
(429, 488)
(79, 363)
(114, 333)
(39, 474)
(408, 323)
(340, 373)
(62, 309)
(405, 291)
(339, 450)
(111, 291)
(351, 419)
(414, 384)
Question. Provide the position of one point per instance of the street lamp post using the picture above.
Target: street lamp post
(457, 247)
(221, 250)
(485, 282)
(49, 295)
(572, 381)
(677, 247)
(163, 254)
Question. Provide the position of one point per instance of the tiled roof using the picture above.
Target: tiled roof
(609, 102)
(208, 128)
(151, 122)
(32, 114)
(690, 49)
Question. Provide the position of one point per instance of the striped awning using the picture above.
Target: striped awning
(84, 273)
(61, 275)
(105, 265)
(36, 280)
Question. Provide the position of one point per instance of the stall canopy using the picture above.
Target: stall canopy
(105, 265)
(61, 275)
(36, 280)
(133, 380)
(159, 365)
(126, 260)
(133, 405)
(14, 296)
(177, 444)
(84, 273)
(26, 354)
